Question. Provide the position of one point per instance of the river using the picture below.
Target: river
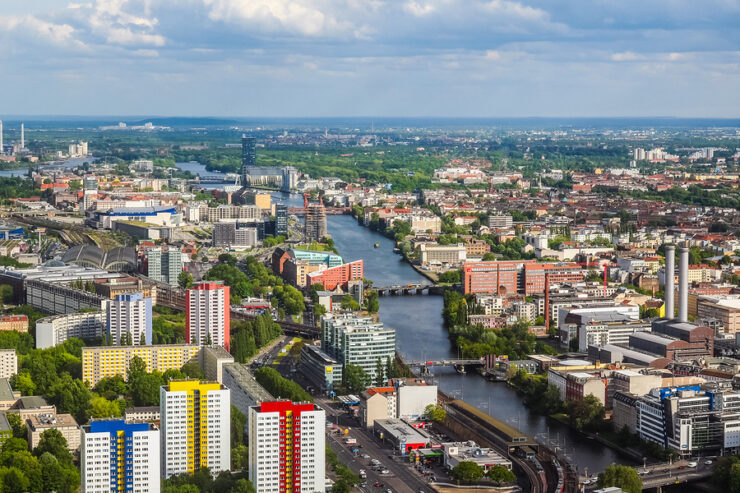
(420, 334)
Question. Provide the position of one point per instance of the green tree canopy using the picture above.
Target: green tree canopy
(624, 477)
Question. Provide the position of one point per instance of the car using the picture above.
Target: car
(389, 490)
(692, 464)
(365, 456)
(707, 462)
(385, 471)
(378, 484)
(682, 467)
(363, 484)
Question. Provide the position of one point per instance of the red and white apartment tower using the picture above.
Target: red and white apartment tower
(287, 447)
(207, 314)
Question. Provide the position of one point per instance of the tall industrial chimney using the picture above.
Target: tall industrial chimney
(670, 269)
(683, 284)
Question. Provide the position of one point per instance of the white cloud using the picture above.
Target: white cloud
(61, 34)
(304, 17)
(492, 55)
(418, 8)
(625, 56)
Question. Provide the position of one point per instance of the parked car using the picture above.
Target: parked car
(707, 462)
(385, 471)
(692, 464)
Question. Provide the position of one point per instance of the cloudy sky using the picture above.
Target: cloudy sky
(487, 58)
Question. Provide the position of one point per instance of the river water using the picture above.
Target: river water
(420, 334)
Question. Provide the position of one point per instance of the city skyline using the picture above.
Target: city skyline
(496, 58)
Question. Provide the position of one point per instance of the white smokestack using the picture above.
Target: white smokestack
(683, 284)
(670, 269)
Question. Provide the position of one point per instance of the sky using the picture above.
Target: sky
(402, 58)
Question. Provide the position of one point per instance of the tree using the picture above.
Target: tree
(435, 413)
(242, 486)
(467, 472)
(586, 413)
(53, 441)
(14, 481)
(239, 457)
(20, 430)
(725, 473)
(500, 475)
(340, 486)
(379, 380)
(372, 305)
(238, 421)
(103, 408)
(355, 379)
(349, 303)
(624, 477)
(185, 280)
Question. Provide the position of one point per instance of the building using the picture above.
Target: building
(116, 456)
(337, 276)
(500, 277)
(8, 363)
(212, 361)
(575, 385)
(402, 436)
(108, 361)
(157, 216)
(433, 254)
(723, 308)
(323, 371)
(287, 447)
(294, 266)
(129, 319)
(144, 414)
(64, 423)
(245, 391)
(377, 403)
(412, 397)
(6, 431)
(357, 341)
(281, 220)
(598, 326)
(52, 331)
(487, 458)
(503, 221)
(249, 152)
(207, 315)
(110, 288)
(8, 397)
(534, 275)
(14, 322)
(315, 225)
(196, 427)
(164, 264)
(230, 234)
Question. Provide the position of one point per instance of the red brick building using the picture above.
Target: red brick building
(534, 275)
(337, 276)
(493, 276)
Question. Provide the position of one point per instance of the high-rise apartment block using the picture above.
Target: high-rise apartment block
(354, 340)
(196, 427)
(116, 456)
(315, 228)
(129, 319)
(207, 310)
(281, 220)
(8, 363)
(287, 447)
(249, 153)
(164, 264)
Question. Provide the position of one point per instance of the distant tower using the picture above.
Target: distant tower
(249, 155)
(1, 136)
(315, 226)
(23, 137)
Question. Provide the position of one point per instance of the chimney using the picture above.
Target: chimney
(670, 269)
(683, 284)
(547, 302)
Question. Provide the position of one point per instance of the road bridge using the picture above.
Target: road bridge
(289, 328)
(658, 476)
(332, 211)
(408, 289)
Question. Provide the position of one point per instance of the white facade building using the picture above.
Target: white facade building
(129, 315)
(288, 429)
(196, 427)
(52, 331)
(112, 451)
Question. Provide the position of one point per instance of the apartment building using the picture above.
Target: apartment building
(52, 331)
(129, 318)
(14, 322)
(116, 456)
(196, 421)
(500, 277)
(287, 447)
(337, 276)
(207, 315)
(65, 424)
(108, 361)
(357, 340)
(8, 363)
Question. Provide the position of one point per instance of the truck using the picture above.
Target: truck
(350, 441)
